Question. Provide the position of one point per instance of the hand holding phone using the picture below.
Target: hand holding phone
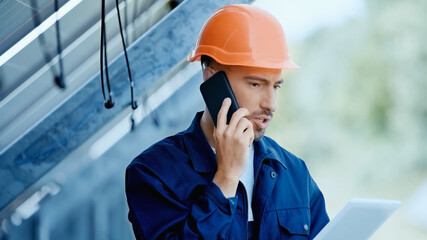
(214, 91)
(233, 133)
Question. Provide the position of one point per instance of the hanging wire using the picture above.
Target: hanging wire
(59, 79)
(104, 61)
(101, 67)
(133, 102)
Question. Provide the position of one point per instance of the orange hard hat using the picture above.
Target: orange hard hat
(243, 35)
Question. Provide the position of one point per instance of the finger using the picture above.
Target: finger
(215, 137)
(244, 125)
(222, 114)
(250, 135)
(237, 115)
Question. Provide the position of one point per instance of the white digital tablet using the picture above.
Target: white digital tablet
(359, 219)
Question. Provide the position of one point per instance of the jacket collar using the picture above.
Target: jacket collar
(198, 148)
(202, 156)
(265, 150)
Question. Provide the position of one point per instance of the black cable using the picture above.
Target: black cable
(101, 67)
(104, 61)
(107, 78)
(59, 80)
(133, 103)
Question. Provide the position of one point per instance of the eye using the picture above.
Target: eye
(277, 87)
(255, 84)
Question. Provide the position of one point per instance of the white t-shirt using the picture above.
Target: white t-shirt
(248, 180)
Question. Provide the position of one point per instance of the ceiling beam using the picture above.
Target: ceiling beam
(83, 114)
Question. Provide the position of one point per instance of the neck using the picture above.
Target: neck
(207, 126)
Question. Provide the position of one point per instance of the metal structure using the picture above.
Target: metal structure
(62, 175)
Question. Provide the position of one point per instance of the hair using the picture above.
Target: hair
(207, 61)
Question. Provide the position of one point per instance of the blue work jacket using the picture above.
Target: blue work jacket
(171, 195)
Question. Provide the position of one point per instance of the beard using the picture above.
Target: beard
(258, 134)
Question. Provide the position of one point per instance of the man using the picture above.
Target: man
(229, 181)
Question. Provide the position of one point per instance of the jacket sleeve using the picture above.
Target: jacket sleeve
(156, 212)
(319, 216)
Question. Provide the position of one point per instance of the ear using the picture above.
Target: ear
(207, 73)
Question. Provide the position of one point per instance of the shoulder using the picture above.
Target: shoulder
(166, 168)
(162, 155)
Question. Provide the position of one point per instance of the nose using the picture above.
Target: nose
(269, 100)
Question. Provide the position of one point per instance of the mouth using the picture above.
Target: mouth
(261, 122)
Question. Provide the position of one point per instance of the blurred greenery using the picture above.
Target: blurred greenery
(356, 111)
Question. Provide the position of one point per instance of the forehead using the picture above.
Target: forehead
(252, 72)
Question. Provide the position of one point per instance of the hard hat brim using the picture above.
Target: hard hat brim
(287, 64)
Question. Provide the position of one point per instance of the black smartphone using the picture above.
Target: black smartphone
(214, 91)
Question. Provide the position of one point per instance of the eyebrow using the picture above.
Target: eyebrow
(280, 81)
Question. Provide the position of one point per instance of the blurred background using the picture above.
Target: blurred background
(355, 111)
